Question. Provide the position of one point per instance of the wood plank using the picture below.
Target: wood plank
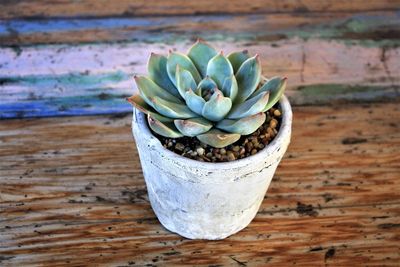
(72, 193)
(95, 8)
(94, 79)
(368, 27)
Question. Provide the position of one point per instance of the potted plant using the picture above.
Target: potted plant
(210, 131)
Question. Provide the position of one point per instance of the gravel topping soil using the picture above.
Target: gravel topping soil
(247, 145)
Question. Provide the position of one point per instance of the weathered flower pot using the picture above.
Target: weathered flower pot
(201, 200)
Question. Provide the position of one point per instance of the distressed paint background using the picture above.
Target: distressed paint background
(78, 58)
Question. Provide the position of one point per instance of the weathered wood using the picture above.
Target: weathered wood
(94, 79)
(72, 193)
(372, 28)
(94, 8)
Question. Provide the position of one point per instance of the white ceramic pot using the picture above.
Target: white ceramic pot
(201, 200)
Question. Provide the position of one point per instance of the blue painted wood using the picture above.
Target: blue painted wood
(67, 106)
(59, 80)
(66, 94)
(211, 27)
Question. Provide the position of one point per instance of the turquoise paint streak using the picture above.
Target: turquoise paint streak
(72, 84)
(163, 29)
(66, 106)
(70, 79)
(87, 95)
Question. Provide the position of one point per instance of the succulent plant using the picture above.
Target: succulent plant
(206, 95)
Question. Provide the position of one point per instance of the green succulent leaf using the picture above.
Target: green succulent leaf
(149, 89)
(244, 126)
(200, 53)
(219, 68)
(217, 107)
(171, 109)
(184, 81)
(193, 127)
(157, 68)
(166, 129)
(230, 87)
(248, 78)
(138, 102)
(184, 61)
(237, 59)
(249, 107)
(269, 85)
(218, 139)
(205, 94)
(275, 93)
(194, 102)
(206, 84)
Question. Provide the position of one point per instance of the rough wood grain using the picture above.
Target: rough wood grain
(72, 194)
(371, 28)
(94, 79)
(94, 8)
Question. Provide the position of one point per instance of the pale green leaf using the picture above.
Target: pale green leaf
(219, 68)
(184, 61)
(244, 126)
(166, 129)
(249, 107)
(237, 59)
(217, 107)
(200, 53)
(193, 127)
(248, 77)
(157, 68)
(218, 139)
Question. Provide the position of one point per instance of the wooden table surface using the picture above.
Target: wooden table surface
(71, 188)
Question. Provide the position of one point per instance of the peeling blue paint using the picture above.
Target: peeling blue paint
(68, 79)
(59, 25)
(67, 106)
(167, 29)
(62, 95)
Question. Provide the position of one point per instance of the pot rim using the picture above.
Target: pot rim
(284, 130)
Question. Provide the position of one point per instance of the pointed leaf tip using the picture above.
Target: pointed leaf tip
(230, 87)
(276, 91)
(157, 69)
(193, 127)
(171, 109)
(185, 63)
(217, 138)
(141, 105)
(149, 89)
(200, 54)
(243, 126)
(249, 107)
(248, 77)
(184, 81)
(217, 107)
(237, 59)
(194, 102)
(219, 68)
(166, 129)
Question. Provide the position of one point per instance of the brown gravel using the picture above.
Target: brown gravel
(247, 145)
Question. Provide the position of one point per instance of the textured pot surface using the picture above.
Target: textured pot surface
(201, 200)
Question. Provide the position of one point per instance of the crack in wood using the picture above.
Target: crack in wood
(238, 261)
(303, 63)
(384, 59)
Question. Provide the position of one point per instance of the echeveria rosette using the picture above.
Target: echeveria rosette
(206, 95)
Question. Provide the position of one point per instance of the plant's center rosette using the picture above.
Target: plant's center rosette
(247, 145)
(206, 96)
